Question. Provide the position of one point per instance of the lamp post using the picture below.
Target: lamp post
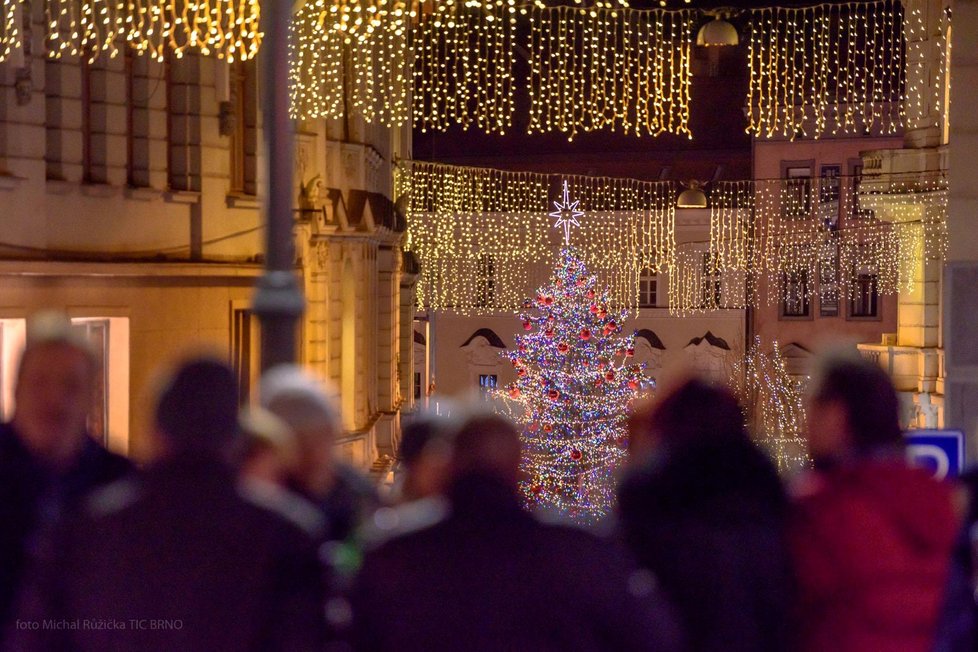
(278, 302)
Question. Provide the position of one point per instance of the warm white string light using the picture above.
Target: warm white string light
(774, 409)
(470, 225)
(452, 63)
(609, 68)
(228, 29)
(9, 29)
(826, 69)
(463, 221)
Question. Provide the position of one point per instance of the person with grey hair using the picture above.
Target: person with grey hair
(309, 407)
(48, 460)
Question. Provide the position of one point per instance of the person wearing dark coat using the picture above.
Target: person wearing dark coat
(185, 558)
(48, 460)
(489, 576)
(705, 511)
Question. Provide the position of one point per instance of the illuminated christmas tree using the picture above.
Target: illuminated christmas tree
(575, 381)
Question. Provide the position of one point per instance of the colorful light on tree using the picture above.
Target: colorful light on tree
(575, 379)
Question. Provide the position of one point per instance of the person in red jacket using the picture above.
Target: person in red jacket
(870, 537)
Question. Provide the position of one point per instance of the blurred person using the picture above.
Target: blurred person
(268, 451)
(181, 559)
(957, 629)
(489, 576)
(48, 460)
(703, 508)
(309, 407)
(423, 456)
(871, 537)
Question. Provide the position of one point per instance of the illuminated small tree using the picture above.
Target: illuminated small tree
(772, 400)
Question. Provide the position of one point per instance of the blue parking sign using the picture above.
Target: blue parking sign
(940, 451)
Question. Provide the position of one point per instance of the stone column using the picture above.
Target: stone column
(960, 325)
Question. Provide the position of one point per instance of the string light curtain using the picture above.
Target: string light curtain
(485, 236)
(445, 63)
(826, 69)
(767, 230)
(453, 63)
(463, 65)
(9, 29)
(227, 28)
(609, 68)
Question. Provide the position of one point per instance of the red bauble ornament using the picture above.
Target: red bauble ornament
(629, 352)
(598, 382)
(547, 427)
(563, 348)
(548, 300)
(576, 455)
(585, 334)
(612, 324)
(521, 373)
(610, 376)
(594, 308)
(602, 313)
(633, 384)
(533, 427)
(527, 325)
(553, 394)
(521, 348)
(537, 488)
(590, 294)
(514, 392)
(580, 282)
(549, 332)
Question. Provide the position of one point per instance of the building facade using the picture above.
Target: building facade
(131, 196)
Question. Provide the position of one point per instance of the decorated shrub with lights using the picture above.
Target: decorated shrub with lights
(575, 379)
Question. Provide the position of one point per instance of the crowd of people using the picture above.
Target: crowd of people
(246, 532)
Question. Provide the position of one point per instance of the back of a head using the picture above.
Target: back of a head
(868, 397)
(416, 435)
(303, 402)
(197, 410)
(487, 445)
(54, 328)
(696, 412)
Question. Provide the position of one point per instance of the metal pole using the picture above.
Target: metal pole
(278, 302)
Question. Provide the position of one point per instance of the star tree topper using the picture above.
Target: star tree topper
(567, 214)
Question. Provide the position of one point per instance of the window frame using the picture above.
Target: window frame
(783, 313)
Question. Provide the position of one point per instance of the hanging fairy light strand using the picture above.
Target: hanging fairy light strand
(228, 29)
(453, 63)
(826, 69)
(609, 68)
(463, 56)
(9, 29)
(775, 229)
(478, 232)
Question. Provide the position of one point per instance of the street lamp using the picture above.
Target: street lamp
(278, 302)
